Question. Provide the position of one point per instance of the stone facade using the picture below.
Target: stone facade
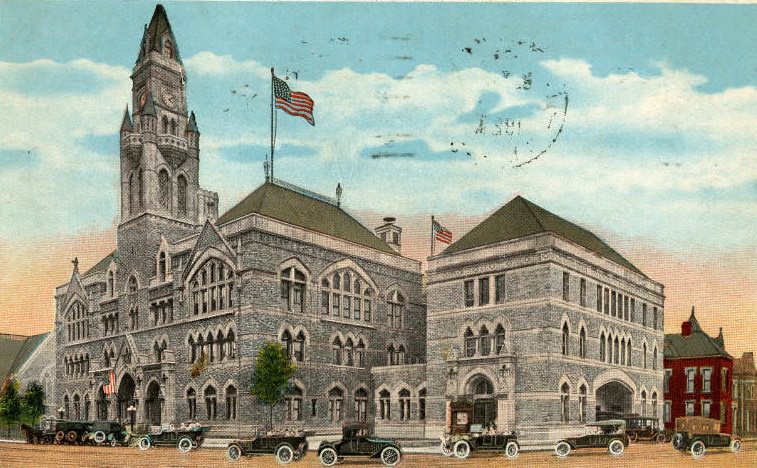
(744, 395)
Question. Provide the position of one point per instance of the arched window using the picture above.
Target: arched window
(101, 405)
(628, 352)
(164, 122)
(349, 353)
(623, 351)
(483, 386)
(485, 342)
(164, 183)
(181, 196)
(336, 399)
(66, 408)
(602, 344)
(294, 404)
(77, 407)
(391, 358)
(132, 284)
(609, 349)
(325, 297)
(231, 344)
(111, 284)
(220, 346)
(385, 408)
(582, 403)
(395, 309)
(469, 343)
(211, 287)
(361, 405)
(346, 296)
(401, 359)
(293, 289)
(162, 267)
(617, 348)
(299, 347)
(644, 353)
(286, 343)
(231, 402)
(643, 403)
(336, 347)
(565, 340)
(191, 403)
(173, 127)
(565, 403)
(210, 403)
(77, 322)
(654, 358)
(422, 404)
(158, 352)
(192, 350)
(134, 317)
(654, 404)
(211, 349)
(582, 343)
(404, 404)
(360, 353)
(499, 339)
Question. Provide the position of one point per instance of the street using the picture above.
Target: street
(14, 454)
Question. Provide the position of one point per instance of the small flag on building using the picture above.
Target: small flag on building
(110, 387)
(441, 233)
(293, 102)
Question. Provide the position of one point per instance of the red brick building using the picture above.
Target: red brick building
(698, 376)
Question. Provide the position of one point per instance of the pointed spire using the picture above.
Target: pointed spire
(127, 125)
(153, 38)
(149, 107)
(720, 340)
(192, 124)
(694, 322)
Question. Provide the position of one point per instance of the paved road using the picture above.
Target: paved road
(636, 456)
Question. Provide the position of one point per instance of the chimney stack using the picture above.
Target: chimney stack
(390, 233)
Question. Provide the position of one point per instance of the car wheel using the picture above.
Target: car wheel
(446, 450)
(144, 443)
(234, 452)
(284, 454)
(660, 438)
(562, 449)
(184, 445)
(736, 446)
(461, 449)
(616, 447)
(511, 450)
(71, 437)
(390, 456)
(677, 441)
(99, 437)
(328, 457)
(59, 436)
(697, 449)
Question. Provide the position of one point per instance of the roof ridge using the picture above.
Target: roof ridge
(528, 204)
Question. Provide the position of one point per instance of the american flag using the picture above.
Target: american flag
(442, 234)
(110, 387)
(293, 102)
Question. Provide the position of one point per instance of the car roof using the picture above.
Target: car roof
(608, 422)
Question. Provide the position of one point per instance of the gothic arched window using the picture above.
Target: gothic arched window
(565, 340)
(499, 339)
(210, 403)
(336, 399)
(564, 403)
(162, 267)
(361, 405)
(294, 404)
(164, 186)
(485, 343)
(211, 287)
(293, 289)
(469, 341)
(582, 343)
(231, 402)
(344, 295)
(582, 403)
(181, 196)
(404, 400)
(385, 409)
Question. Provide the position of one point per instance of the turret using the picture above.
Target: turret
(193, 134)
(127, 126)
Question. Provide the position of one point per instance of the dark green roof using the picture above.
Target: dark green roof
(159, 24)
(192, 124)
(102, 265)
(15, 350)
(697, 344)
(149, 107)
(521, 218)
(308, 211)
(127, 124)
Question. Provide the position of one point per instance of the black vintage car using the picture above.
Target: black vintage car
(644, 428)
(608, 434)
(184, 438)
(65, 431)
(463, 437)
(357, 442)
(696, 434)
(286, 447)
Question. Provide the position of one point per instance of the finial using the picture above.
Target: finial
(267, 169)
(75, 261)
(338, 194)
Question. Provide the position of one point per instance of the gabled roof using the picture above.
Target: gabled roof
(521, 218)
(209, 237)
(102, 265)
(15, 350)
(159, 24)
(307, 211)
(697, 344)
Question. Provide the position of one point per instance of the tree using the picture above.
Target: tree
(32, 404)
(10, 404)
(270, 379)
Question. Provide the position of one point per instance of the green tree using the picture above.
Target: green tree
(270, 379)
(10, 404)
(32, 404)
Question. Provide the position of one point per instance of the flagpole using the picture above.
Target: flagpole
(272, 124)
(432, 235)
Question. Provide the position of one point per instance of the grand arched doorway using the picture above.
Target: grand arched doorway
(153, 404)
(481, 390)
(125, 397)
(614, 397)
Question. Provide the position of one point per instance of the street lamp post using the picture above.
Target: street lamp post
(132, 412)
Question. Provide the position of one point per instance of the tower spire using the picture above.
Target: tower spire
(126, 124)
(159, 37)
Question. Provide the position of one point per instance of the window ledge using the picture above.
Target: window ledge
(359, 323)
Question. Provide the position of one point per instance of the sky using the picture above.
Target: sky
(638, 121)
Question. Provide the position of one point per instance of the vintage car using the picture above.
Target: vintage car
(358, 442)
(57, 431)
(184, 438)
(644, 428)
(463, 437)
(287, 447)
(695, 434)
(608, 434)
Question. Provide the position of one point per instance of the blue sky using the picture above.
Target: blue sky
(420, 108)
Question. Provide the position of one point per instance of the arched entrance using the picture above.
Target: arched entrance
(614, 397)
(125, 397)
(153, 404)
(481, 390)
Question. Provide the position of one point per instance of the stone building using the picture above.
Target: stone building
(744, 395)
(541, 325)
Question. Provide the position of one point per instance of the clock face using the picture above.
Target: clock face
(169, 99)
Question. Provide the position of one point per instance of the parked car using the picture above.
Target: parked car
(696, 434)
(286, 447)
(57, 431)
(608, 434)
(43, 433)
(357, 441)
(644, 428)
(463, 437)
(184, 438)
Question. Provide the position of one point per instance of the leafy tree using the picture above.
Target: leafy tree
(32, 404)
(10, 404)
(270, 380)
